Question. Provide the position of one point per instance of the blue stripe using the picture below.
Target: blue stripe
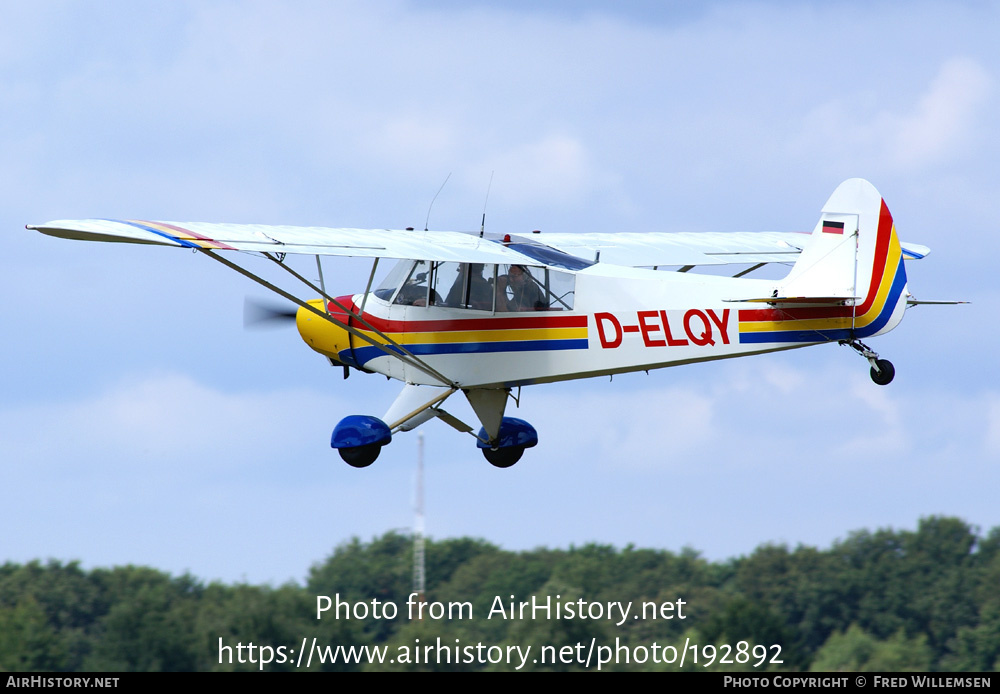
(795, 336)
(366, 354)
(164, 234)
(898, 282)
(346, 356)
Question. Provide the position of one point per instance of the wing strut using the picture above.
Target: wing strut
(322, 284)
(399, 352)
(426, 406)
(413, 359)
(368, 287)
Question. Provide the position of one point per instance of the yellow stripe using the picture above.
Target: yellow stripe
(794, 324)
(200, 242)
(483, 336)
(204, 243)
(891, 265)
(495, 335)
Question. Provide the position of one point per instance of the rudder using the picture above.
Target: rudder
(854, 253)
(848, 283)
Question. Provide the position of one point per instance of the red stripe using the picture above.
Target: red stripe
(545, 320)
(881, 253)
(780, 314)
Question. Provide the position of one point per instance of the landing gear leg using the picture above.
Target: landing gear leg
(882, 371)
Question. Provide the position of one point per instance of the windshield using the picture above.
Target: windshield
(387, 288)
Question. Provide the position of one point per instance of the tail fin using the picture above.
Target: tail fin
(849, 282)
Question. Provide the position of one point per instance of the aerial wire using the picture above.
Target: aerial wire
(427, 221)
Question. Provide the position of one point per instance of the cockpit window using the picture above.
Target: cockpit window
(478, 286)
(413, 292)
(464, 285)
(527, 288)
(387, 288)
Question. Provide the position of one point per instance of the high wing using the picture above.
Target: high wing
(572, 251)
(444, 246)
(691, 248)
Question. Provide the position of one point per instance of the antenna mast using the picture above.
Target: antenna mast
(482, 227)
(419, 583)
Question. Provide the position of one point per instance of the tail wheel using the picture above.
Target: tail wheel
(360, 456)
(503, 457)
(883, 372)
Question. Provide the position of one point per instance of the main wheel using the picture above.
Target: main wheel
(885, 373)
(360, 456)
(503, 457)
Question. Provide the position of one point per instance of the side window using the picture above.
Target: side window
(478, 286)
(463, 285)
(526, 288)
(560, 287)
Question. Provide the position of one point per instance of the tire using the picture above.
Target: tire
(360, 456)
(885, 373)
(503, 457)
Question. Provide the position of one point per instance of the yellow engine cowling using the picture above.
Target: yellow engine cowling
(325, 336)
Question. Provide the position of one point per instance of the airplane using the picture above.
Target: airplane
(487, 314)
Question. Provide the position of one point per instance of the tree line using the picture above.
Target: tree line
(889, 600)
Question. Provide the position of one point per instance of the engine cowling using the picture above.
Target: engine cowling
(325, 336)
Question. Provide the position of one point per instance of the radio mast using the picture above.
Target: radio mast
(419, 583)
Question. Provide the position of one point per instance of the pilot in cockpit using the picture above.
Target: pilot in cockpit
(517, 291)
(470, 284)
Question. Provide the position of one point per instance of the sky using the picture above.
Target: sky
(140, 424)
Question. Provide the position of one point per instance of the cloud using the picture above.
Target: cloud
(165, 470)
(637, 429)
(940, 126)
(165, 424)
(764, 416)
(942, 122)
(555, 170)
(886, 433)
(415, 142)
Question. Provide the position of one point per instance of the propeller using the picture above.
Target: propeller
(261, 314)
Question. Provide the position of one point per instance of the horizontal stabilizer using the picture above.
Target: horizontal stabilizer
(914, 251)
(933, 302)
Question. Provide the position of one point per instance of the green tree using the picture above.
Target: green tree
(858, 651)
(27, 642)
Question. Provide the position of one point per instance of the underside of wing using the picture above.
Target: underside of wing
(691, 249)
(636, 249)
